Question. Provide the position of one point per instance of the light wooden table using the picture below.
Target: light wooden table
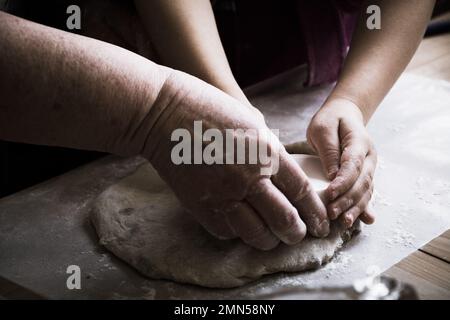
(428, 269)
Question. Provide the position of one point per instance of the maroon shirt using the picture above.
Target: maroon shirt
(279, 35)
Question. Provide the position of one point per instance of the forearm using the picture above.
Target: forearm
(378, 57)
(58, 88)
(186, 38)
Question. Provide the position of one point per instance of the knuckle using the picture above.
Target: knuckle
(345, 203)
(367, 182)
(349, 202)
(285, 222)
(304, 190)
(358, 162)
(355, 162)
(291, 232)
(331, 154)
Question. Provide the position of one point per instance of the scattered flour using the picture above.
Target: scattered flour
(339, 265)
(380, 200)
(401, 237)
(397, 127)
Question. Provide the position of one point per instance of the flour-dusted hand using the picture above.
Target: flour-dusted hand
(338, 134)
(232, 200)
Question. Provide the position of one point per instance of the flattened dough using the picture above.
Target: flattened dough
(140, 220)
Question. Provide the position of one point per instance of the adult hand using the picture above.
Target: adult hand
(338, 134)
(232, 200)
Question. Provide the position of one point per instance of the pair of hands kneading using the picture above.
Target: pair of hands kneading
(236, 200)
(140, 220)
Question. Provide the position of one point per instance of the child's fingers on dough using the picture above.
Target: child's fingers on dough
(246, 223)
(350, 216)
(363, 184)
(325, 140)
(294, 184)
(352, 160)
(368, 217)
(277, 212)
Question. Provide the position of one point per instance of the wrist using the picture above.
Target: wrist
(346, 106)
(157, 121)
(151, 97)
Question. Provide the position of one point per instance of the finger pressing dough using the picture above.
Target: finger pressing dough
(141, 221)
(299, 147)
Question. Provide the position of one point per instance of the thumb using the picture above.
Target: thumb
(327, 145)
